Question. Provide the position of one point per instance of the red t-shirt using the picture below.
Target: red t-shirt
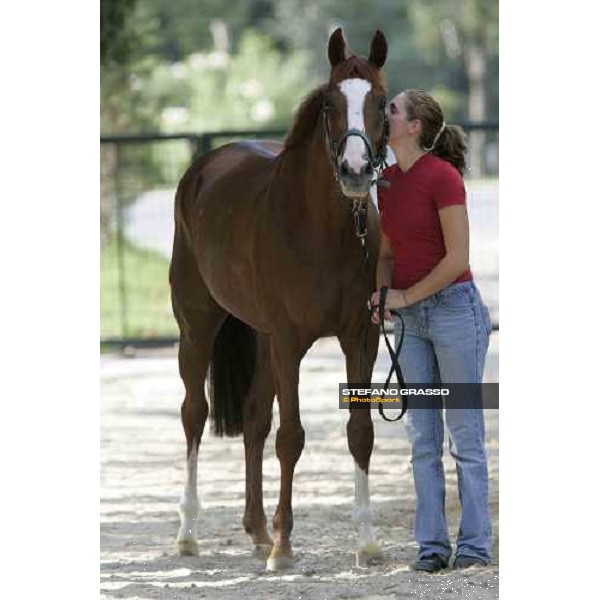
(409, 216)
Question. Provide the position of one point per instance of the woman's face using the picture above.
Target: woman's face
(401, 129)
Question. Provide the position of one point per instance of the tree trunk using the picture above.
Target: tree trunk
(476, 69)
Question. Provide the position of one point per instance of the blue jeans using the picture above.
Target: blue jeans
(446, 339)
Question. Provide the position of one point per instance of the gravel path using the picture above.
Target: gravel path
(142, 473)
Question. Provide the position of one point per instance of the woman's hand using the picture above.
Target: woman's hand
(394, 299)
(375, 316)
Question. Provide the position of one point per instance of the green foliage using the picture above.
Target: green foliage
(448, 30)
(187, 26)
(199, 63)
(256, 87)
(146, 295)
(426, 39)
(117, 37)
(125, 105)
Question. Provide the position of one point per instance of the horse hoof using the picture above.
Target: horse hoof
(187, 547)
(279, 563)
(262, 551)
(368, 554)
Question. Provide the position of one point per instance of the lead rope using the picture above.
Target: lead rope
(394, 355)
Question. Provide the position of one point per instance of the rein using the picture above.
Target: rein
(394, 355)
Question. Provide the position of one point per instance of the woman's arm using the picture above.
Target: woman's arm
(455, 229)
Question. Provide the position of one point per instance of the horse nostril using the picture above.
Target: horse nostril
(345, 168)
(369, 169)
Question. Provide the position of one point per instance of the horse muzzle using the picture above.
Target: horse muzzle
(355, 184)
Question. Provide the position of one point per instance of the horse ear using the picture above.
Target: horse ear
(337, 47)
(379, 50)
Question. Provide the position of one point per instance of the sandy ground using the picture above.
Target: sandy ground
(142, 474)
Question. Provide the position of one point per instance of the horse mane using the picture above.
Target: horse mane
(307, 114)
(306, 118)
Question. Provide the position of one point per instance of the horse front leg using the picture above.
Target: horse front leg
(359, 368)
(285, 358)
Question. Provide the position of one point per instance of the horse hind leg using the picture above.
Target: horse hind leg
(194, 356)
(258, 412)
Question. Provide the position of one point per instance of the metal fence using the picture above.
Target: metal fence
(138, 178)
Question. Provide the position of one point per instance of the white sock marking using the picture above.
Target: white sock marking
(362, 515)
(189, 505)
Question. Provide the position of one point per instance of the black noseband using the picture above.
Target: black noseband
(376, 159)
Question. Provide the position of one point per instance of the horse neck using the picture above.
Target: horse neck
(324, 208)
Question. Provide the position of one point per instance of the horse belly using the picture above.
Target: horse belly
(226, 230)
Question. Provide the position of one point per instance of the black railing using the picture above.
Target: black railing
(204, 142)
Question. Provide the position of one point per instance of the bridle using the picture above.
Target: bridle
(376, 160)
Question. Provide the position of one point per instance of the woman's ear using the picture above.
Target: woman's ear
(415, 126)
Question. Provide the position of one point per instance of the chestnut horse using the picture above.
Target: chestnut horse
(266, 260)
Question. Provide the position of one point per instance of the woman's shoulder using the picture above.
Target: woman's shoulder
(443, 169)
(448, 183)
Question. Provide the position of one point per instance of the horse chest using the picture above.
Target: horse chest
(318, 301)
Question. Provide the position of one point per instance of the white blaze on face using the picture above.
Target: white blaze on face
(355, 91)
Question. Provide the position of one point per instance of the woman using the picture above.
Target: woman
(424, 261)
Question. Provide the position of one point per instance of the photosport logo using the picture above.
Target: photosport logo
(448, 395)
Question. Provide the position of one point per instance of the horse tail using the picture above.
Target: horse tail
(231, 371)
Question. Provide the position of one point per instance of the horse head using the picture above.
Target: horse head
(354, 116)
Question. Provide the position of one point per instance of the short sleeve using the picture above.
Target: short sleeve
(449, 187)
